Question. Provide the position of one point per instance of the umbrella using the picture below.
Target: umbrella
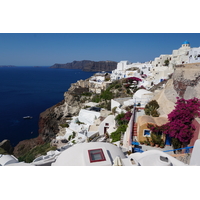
(117, 161)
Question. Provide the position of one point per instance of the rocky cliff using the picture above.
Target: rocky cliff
(5, 147)
(25, 146)
(48, 128)
(185, 83)
(88, 65)
(51, 118)
(75, 98)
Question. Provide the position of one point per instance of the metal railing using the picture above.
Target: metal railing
(187, 149)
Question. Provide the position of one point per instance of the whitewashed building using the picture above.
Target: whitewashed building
(158, 74)
(160, 61)
(87, 116)
(126, 69)
(142, 97)
(122, 70)
(107, 125)
(194, 55)
(97, 84)
(181, 55)
(178, 56)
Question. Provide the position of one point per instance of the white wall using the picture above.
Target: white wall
(129, 102)
(193, 55)
(181, 55)
(159, 61)
(131, 73)
(7, 159)
(143, 97)
(114, 104)
(97, 78)
(66, 136)
(127, 135)
(87, 116)
(122, 65)
(110, 119)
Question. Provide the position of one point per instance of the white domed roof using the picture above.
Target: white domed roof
(79, 155)
(141, 92)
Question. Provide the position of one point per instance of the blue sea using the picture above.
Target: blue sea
(28, 91)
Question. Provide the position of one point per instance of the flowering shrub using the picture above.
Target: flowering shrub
(131, 79)
(127, 117)
(155, 128)
(123, 118)
(142, 87)
(180, 119)
(156, 133)
(119, 117)
(143, 75)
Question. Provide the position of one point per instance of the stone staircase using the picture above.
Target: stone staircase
(134, 129)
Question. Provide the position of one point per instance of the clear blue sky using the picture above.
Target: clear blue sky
(45, 49)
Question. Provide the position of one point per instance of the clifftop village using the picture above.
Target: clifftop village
(123, 135)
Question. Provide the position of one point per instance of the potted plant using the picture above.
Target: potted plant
(141, 142)
(156, 138)
(157, 142)
(152, 143)
(148, 141)
(156, 145)
(162, 143)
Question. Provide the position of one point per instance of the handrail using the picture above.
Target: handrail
(187, 148)
(132, 124)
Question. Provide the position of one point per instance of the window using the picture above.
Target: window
(164, 159)
(96, 155)
(106, 124)
(147, 133)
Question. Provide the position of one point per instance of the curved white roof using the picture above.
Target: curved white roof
(78, 155)
(20, 164)
(141, 92)
(7, 159)
(155, 158)
(87, 116)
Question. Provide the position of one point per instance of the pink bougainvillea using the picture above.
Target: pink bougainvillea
(180, 119)
(127, 117)
(155, 128)
(142, 87)
(143, 75)
(131, 79)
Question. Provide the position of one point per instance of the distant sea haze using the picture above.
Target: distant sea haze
(28, 91)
